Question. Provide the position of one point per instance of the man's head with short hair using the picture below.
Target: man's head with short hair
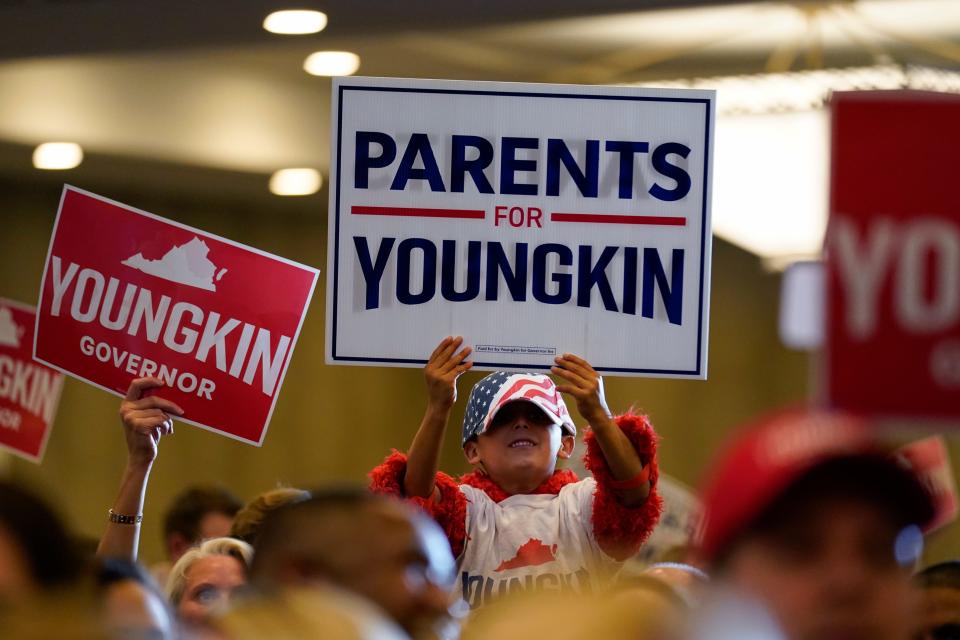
(807, 513)
(939, 587)
(247, 522)
(375, 546)
(196, 514)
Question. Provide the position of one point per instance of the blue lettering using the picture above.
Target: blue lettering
(373, 271)
(590, 275)
(404, 250)
(460, 166)
(563, 280)
(510, 165)
(363, 161)
(448, 271)
(630, 280)
(673, 295)
(664, 167)
(626, 150)
(418, 147)
(515, 277)
(587, 180)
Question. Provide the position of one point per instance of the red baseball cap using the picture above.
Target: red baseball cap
(770, 455)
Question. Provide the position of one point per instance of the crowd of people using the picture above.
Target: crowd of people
(810, 530)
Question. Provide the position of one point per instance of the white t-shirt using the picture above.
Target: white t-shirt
(539, 541)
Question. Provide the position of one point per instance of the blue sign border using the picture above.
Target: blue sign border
(522, 94)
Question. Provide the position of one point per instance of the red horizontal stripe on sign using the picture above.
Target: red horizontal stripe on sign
(606, 218)
(414, 212)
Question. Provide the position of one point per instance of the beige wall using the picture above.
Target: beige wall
(334, 424)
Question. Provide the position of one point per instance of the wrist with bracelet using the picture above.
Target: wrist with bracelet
(120, 518)
(635, 482)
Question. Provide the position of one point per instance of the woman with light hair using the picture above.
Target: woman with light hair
(204, 579)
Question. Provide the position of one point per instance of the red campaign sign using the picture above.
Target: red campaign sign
(127, 294)
(893, 255)
(29, 391)
(929, 460)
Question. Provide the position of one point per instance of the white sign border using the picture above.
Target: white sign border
(399, 85)
(293, 345)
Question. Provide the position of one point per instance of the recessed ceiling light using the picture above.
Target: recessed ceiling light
(295, 21)
(57, 155)
(295, 182)
(332, 63)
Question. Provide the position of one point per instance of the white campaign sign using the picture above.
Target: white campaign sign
(531, 219)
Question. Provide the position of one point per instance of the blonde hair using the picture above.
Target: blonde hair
(177, 581)
(247, 522)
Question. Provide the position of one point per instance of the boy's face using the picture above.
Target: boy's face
(520, 447)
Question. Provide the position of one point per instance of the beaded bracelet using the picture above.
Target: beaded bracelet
(120, 518)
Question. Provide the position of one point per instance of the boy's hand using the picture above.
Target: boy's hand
(145, 421)
(442, 370)
(585, 385)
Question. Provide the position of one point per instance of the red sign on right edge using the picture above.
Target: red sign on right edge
(893, 255)
(127, 294)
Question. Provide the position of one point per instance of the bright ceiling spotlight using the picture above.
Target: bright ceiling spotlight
(57, 155)
(332, 63)
(295, 182)
(295, 22)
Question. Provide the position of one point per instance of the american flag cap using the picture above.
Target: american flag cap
(501, 387)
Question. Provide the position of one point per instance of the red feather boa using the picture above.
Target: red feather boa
(619, 530)
(622, 530)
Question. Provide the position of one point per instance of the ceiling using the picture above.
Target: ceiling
(160, 88)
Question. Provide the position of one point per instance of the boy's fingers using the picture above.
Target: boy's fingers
(566, 388)
(578, 365)
(464, 367)
(570, 376)
(572, 357)
(454, 361)
(440, 347)
(448, 350)
(139, 385)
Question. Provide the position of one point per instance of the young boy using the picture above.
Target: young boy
(515, 522)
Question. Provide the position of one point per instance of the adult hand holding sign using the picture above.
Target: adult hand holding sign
(586, 386)
(145, 421)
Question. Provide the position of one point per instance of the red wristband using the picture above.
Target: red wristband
(635, 482)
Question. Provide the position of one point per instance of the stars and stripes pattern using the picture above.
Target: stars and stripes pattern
(499, 388)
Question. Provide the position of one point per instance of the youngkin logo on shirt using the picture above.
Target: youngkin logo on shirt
(531, 553)
(480, 589)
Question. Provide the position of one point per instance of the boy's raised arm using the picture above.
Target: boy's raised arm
(446, 364)
(586, 386)
(145, 421)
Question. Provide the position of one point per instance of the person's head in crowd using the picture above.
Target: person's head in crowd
(37, 553)
(808, 515)
(566, 615)
(133, 605)
(513, 436)
(205, 578)
(247, 522)
(667, 592)
(307, 612)
(939, 587)
(378, 547)
(198, 513)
